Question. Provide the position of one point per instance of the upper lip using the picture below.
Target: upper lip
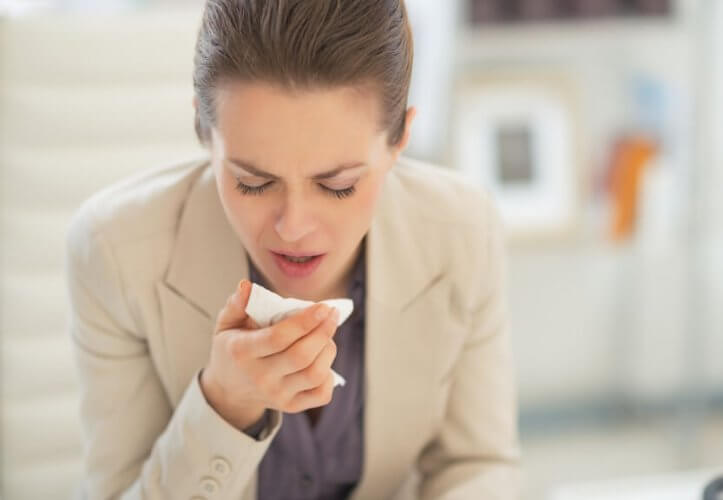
(297, 254)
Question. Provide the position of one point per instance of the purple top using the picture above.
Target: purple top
(323, 462)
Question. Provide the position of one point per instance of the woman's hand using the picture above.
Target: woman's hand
(286, 366)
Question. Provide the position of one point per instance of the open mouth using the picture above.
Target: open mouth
(297, 266)
(299, 260)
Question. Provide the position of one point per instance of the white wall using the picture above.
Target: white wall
(592, 320)
(714, 135)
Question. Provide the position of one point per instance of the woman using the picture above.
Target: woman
(303, 108)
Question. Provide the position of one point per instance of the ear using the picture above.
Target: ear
(404, 141)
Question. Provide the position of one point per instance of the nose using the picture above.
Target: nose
(295, 219)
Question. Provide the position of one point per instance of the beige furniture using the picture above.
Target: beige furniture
(83, 102)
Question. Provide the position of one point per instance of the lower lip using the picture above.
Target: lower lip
(297, 270)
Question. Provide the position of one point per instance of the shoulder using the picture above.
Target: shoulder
(120, 240)
(440, 195)
(454, 221)
(136, 207)
(431, 196)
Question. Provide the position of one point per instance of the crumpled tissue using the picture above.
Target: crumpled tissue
(266, 308)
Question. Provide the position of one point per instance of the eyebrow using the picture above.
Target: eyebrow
(253, 170)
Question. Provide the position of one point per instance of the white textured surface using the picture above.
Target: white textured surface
(635, 456)
(84, 101)
(101, 50)
(676, 486)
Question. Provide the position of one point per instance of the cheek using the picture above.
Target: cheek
(355, 216)
(239, 206)
(369, 196)
(367, 202)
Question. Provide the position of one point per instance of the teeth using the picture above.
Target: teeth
(298, 260)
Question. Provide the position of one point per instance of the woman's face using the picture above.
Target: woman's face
(299, 175)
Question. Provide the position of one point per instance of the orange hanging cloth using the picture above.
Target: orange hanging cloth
(630, 157)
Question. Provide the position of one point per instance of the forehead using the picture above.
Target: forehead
(255, 117)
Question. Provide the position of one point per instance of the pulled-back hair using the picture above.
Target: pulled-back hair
(305, 45)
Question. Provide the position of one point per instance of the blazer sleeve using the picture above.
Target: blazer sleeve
(475, 455)
(136, 445)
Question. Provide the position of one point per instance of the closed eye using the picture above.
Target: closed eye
(339, 193)
(250, 190)
(255, 190)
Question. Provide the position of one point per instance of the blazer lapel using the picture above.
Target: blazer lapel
(207, 263)
(407, 305)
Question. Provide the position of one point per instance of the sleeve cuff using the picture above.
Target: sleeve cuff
(256, 429)
(265, 428)
(207, 439)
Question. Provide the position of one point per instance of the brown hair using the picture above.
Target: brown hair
(305, 44)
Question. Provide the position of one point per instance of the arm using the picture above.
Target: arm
(136, 445)
(475, 455)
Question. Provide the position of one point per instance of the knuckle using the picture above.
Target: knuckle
(329, 387)
(292, 407)
(330, 329)
(300, 358)
(316, 374)
(326, 392)
(332, 348)
(276, 393)
(291, 401)
(309, 318)
(292, 321)
(327, 396)
(296, 330)
(239, 350)
(276, 338)
(235, 348)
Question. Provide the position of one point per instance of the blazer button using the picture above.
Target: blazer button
(220, 466)
(209, 485)
(307, 480)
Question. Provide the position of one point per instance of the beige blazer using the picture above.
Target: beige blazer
(151, 261)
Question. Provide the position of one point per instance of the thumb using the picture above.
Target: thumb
(233, 314)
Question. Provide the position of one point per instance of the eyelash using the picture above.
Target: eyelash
(252, 190)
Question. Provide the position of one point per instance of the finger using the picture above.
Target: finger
(318, 396)
(258, 343)
(304, 351)
(281, 335)
(315, 374)
(233, 314)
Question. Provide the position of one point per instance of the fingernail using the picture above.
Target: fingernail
(322, 311)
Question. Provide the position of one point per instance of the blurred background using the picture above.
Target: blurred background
(597, 124)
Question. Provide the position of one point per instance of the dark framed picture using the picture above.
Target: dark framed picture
(519, 137)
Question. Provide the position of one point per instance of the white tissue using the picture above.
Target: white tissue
(266, 308)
